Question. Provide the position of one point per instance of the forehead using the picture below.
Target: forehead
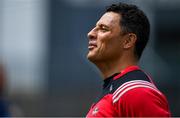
(109, 19)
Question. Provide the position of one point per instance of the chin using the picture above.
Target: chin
(91, 57)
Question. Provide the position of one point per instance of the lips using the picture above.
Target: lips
(92, 45)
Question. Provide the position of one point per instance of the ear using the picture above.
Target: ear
(130, 40)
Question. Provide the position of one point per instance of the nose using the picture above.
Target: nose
(92, 34)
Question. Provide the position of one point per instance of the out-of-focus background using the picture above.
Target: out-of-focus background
(43, 48)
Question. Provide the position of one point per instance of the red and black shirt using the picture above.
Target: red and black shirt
(130, 93)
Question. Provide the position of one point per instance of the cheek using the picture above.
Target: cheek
(110, 46)
(102, 43)
(104, 46)
(108, 43)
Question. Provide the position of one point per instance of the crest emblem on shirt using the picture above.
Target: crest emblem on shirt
(95, 111)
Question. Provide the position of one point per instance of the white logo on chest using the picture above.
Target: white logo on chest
(95, 111)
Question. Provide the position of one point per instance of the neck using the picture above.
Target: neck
(109, 68)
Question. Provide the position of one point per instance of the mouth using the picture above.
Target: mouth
(92, 45)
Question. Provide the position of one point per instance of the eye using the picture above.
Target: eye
(104, 29)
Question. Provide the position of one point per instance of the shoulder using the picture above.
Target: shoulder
(129, 77)
(141, 98)
(134, 94)
(135, 88)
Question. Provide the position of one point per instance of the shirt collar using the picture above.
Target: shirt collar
(108, 80)
(126, 70)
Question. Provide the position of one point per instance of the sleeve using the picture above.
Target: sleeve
(142, 102)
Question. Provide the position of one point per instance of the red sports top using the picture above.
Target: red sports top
(131, 93)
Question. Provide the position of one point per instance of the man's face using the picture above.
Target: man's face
(105, 39)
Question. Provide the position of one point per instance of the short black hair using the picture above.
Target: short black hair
(133, 20)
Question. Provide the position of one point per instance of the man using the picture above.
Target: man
(4, 108)
(115, 46)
